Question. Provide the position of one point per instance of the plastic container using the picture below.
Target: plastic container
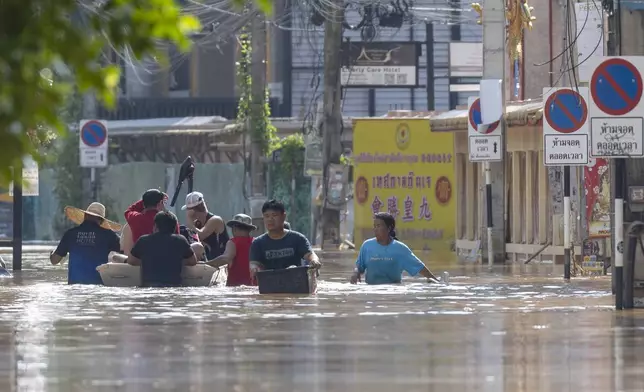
(296, 280)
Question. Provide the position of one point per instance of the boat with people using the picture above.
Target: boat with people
(117, 273)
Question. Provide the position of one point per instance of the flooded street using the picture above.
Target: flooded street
(512, 330)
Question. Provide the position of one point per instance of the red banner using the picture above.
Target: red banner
(597, 190)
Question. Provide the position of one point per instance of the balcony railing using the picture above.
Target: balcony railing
(142, 108)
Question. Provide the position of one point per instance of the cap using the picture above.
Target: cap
(152, 197)
(192, 200)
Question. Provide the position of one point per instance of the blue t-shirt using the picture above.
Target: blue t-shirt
(385, 263)
(279, 254)
(88, 246)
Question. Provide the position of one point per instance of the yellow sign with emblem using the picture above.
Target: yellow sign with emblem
(402, 167)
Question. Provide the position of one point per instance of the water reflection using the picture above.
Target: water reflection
(509, 330)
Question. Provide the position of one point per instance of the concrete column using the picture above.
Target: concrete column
(494, 64)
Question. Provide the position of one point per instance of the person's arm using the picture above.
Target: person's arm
(126, 240)
(115, 242)
(361, 267)
(307, 253)
(256, 258)
(134, 210)
(226, 258)
(412, 264)
(61, 250)
(213, 225)
(189, 258)
(134, 258)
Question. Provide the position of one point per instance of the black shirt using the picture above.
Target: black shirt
(161, 258)
(216, 242)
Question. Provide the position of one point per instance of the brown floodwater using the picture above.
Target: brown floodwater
(511, 329)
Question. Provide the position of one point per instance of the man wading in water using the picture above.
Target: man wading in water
(279, 248)
(210, 228)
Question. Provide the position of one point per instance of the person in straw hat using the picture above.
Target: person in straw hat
(88, 244)
(237, 252)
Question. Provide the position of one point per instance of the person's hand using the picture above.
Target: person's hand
(253, 272)
(355, 278)
(315, 264)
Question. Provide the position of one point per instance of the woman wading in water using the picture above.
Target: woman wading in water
(384, 258)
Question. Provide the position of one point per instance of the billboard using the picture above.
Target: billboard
(380, 64)
(402, 167)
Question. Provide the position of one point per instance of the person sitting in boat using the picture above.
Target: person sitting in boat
(140, 215)
(127, 244)
(162, 254)
(384, 258)
(210, 228)
(279, 248)
(237, 252)
(88, 244)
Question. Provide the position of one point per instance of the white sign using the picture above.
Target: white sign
(485, 148)
(617, 137)
(485, 142)
(93, 143)
(565, 126)
(565, 150)
(590, 28)
(378, 76)
(466, 59)
(30, 181)
(616, 106)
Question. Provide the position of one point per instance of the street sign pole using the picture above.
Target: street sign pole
(565, 143)
(617, 132)
(567, 241)
(485, 145)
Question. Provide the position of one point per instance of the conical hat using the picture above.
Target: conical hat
(77, 215)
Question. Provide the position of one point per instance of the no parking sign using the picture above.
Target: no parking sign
(565, 126)
(616, 107)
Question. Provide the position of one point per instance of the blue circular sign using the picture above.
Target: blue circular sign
(566, 111)
(93, 133)
(616, 86)
(476, 118)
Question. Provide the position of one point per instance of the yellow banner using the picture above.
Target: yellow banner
(402, 167)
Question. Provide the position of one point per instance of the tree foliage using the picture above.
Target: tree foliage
(42, 38)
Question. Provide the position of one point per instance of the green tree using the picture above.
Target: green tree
(41, 37)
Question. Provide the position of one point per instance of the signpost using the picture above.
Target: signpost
(565, 126)
(616, 108)
(565, 143)
(617, 131)
(485, 143)
(93, 148)
(93, 143)
(30, 183)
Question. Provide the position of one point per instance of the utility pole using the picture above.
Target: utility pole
(258, 100)
(332, 109)
(494, 61)
(257, 194)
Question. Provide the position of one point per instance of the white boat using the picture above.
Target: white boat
(125, 275)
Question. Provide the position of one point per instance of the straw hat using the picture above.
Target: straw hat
(77, 215)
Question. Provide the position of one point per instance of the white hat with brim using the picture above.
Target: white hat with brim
(193, 199)
(77, 216)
